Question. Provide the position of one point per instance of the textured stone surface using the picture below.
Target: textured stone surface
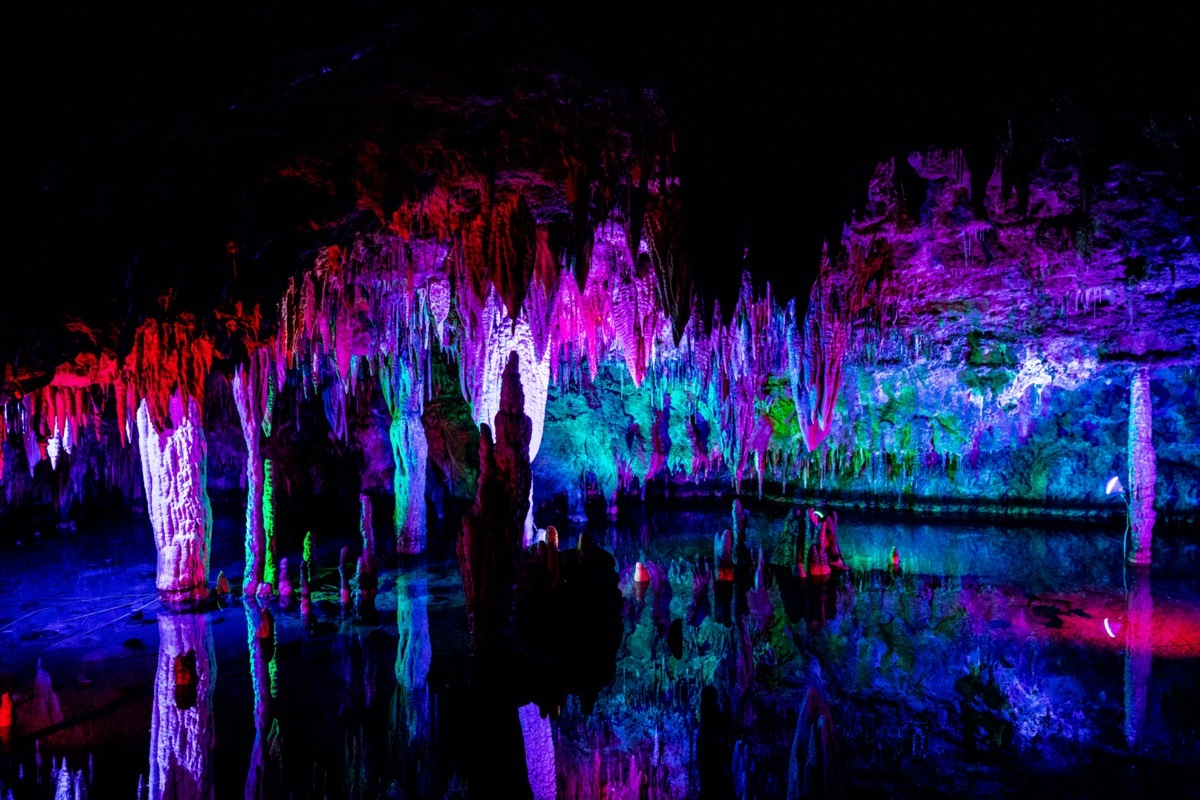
(174, 469)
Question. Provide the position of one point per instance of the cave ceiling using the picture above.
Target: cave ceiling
(156, 151)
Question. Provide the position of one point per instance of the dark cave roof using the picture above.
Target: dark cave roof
(147, 137)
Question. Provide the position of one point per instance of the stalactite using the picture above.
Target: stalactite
(174, 472)
(815, 364)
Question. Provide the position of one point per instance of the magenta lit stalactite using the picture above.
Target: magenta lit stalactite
(182, 731)
(174, 474)
(815, 354)
(1141, 467)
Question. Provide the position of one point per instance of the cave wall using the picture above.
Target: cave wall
(991, 323)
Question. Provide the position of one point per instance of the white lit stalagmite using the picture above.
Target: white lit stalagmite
(1141, 467)
(182, 733)
(174, 473)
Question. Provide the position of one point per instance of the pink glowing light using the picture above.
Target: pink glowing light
(1108, 628)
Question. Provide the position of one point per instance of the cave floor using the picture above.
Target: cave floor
(1000, 663)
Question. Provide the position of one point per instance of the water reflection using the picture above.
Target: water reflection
(1138, 653)
(410, 722)
(1020, 678)
(263, 775)
(182, 732)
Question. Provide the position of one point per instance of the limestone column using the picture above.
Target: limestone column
(174, 467)
(252, 393)
(1141, 467)
(402, 391)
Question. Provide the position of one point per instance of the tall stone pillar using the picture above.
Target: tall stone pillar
(252, 394)
(174, 473)
(1141, 467)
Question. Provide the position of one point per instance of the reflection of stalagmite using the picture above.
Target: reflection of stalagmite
(413, 654)
(813, 767)
(182, 734)
(262, 775)
(1138, 654)
(1141, 467)
(410, 722)
(174, 466)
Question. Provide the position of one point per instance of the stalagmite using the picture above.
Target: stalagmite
(174, 473)
(367, 583)
(1142, 471)
(251, 393)
(404, 396)
(182, 731)
(492, 529)
(500, 337)
(539, 752)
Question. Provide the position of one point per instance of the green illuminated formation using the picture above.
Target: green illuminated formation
(270, 568)
(403, 393)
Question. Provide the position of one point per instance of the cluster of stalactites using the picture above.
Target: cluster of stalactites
(373, 310)
(496, 285)
(814, 353)
(166, 357)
